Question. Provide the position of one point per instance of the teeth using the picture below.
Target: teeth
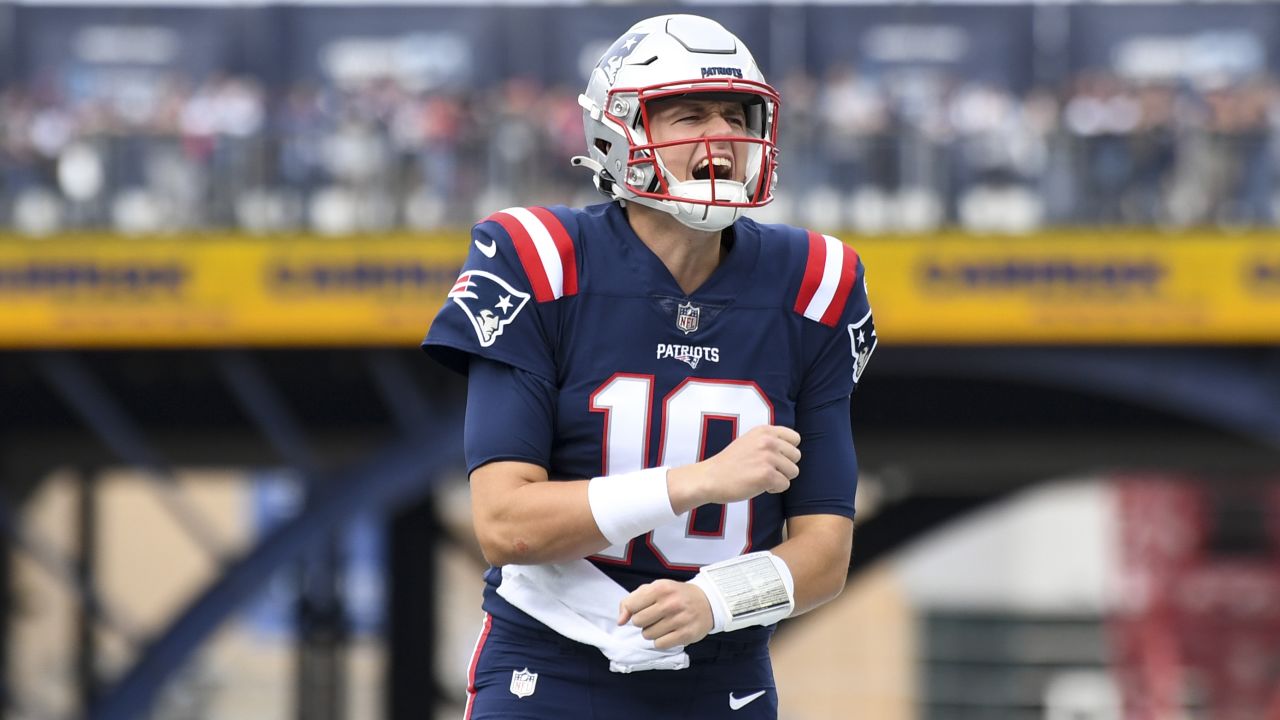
(723, 165)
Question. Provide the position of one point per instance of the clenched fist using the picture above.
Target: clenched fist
(761, 460)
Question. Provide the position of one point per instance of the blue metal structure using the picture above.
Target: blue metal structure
(392, 476)
(373, 429)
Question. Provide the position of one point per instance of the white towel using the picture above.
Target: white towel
(581, 603)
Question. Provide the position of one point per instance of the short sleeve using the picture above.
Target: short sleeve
(510, 415)
(493, 311)
(828, 479)
(839, 352)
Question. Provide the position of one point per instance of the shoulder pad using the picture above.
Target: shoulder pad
(829, 276)
(545, 249)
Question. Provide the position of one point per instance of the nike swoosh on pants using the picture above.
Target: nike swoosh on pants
(736, 703)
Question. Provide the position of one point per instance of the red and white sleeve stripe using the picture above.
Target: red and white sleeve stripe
(828, 279)
(545, 250)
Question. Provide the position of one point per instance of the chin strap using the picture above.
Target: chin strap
(685, 212)
(603, 182)
(586, 162)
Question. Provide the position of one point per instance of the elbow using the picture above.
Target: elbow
(491, 551)
(836, 587)
(830, 582)
(838, 577)
(501, 546)
(498, 556)
(822, 592)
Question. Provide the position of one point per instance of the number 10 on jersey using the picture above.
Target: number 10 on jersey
(628, 406)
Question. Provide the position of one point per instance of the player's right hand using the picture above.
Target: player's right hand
(763, 459)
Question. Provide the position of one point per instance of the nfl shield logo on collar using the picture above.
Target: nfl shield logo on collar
(523, 683)
(687, 317)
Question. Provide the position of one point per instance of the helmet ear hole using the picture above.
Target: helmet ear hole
(603, 145)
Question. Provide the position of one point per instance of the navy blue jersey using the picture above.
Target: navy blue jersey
(640, 374)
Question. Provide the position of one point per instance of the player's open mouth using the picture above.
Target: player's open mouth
(723, 168)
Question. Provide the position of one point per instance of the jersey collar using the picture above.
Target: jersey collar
(734, 275)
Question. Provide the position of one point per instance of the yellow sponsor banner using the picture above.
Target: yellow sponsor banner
(217, 291)
(1076, 287)
(1072, 287)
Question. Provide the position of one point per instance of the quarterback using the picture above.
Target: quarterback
(657, 427)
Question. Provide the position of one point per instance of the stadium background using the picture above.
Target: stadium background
(231, 485)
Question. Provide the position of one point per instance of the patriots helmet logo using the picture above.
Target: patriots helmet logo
(689, 359)
(489, 302)
(611, 61)
(862, 338)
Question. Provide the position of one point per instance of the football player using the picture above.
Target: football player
(657, 427)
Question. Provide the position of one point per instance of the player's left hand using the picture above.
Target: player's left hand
(670, 613)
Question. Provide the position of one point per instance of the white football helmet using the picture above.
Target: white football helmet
(668, 56)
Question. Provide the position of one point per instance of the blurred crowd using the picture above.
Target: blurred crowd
(901, 152)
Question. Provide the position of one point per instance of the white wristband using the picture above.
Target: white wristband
(630, 504)
(752, 589)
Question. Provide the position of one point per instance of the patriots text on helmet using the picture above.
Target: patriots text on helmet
(725, 71)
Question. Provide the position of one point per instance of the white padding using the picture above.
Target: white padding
(630, 504)
(751, 589)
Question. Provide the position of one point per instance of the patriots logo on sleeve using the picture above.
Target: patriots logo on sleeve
(862, 336)
(489, 302)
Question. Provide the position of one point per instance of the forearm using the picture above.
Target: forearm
(817, 552)
(535, 522)
(523, 518)
(809, 567)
